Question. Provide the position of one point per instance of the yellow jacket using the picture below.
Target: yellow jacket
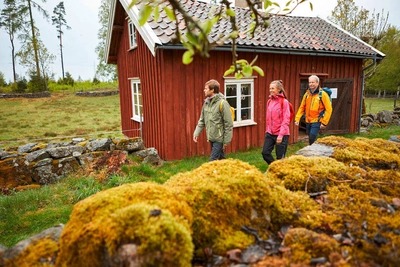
(312, 107)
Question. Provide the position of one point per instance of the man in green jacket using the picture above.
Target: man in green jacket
(218, 123)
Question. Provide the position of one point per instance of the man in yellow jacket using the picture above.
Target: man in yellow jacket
(317, 110)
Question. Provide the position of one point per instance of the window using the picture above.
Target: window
(240, 95)
(132, 35)
(137, 104)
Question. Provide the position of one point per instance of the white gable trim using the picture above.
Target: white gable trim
(361, 41)
(145, 31)
(109, 31)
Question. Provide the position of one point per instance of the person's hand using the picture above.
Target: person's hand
(296, 123)
(279, 140)
(195, 139)
(322, 126)
(225, 145)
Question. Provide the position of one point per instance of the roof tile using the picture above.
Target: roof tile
(290, 33)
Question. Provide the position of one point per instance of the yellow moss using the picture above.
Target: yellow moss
(368, 153)
(109, 219)
(311, 174)
(39, 146)
(40, 253)
(228, 194)
(306, 244)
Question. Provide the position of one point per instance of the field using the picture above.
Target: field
(60, 117)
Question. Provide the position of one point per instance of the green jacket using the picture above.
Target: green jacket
(219, 125)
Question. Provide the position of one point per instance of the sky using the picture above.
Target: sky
(79, 43)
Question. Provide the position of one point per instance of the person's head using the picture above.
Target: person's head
(211, 88)
(276, 87)
(313, 82)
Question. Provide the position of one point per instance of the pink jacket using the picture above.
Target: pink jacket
(277, 120)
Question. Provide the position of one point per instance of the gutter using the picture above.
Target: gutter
(362, 92)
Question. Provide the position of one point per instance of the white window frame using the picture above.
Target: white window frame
(239, 120)
(132, 35)
(137, 100)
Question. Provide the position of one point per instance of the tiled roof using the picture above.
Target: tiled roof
(286, 33)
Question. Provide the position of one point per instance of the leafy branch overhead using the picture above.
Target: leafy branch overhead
(194, 34)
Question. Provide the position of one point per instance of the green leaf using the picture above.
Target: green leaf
(230, 71)
(187, 57)
(258, 70)
(156, 13)
(170, 13)
(133, 2)
(311, 6)
(247, 70)
(238, 75)
(234, 34)
(191, 38)
(275, 4)
(144, 14)
(230, 12)
(242, 61)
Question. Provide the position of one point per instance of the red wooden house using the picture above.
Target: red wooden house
(161, 98)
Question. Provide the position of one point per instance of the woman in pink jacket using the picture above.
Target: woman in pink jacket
(277, 121)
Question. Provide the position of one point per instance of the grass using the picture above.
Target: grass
(59, 118)
(23, 214)
(374, 105)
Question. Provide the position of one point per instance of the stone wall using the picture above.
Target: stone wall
(98, 93)
(40, 164)
(383, 117)
(26, 95)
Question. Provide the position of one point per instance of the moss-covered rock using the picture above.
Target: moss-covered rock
(228, 194)
(305, 245)
(367, 153)
(144, 217)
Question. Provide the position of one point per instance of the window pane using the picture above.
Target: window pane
(230, 94)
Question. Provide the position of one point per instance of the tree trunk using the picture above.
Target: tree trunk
(34, 41)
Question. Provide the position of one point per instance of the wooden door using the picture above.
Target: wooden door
(341, 103)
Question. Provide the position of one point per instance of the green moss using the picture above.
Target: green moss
(103, 223)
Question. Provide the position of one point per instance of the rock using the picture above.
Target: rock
(99, 145)
(26, 148)
(316, 150)
(385, 116)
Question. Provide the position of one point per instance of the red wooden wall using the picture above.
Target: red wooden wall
(173, 93)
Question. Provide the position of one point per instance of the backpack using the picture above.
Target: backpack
(290, 108)
(329, 92)
(231, 108)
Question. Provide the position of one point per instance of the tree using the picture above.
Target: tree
(387, 75)
(358, 21)
(34, 31)
(28, 59)
(58, 19)
(11, 21)
(107, 71)
(2, 80)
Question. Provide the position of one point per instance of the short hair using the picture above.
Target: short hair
(314, 77)
(213, 85)
(279, 84)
